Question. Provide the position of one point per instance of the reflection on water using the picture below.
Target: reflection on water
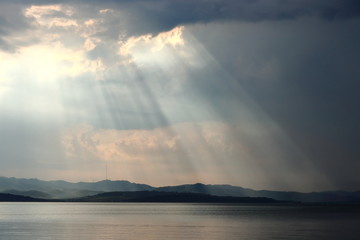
(175, 221)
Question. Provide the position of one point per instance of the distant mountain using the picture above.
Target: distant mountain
(6, 197)
(156, 196)
(63, 189)
(66, 190)
(40, 185)
(107, 186)
(143, 196)
(31, 193)
(217, 190)
(228, 190)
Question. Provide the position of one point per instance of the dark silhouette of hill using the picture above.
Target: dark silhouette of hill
(31, 193)
(6, 197)
(228, 190)
(40, 185)
(66, 190)
(218, 190)
(62, 189)
(156, 196)
(144, 196)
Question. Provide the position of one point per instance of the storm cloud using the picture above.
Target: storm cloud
(155, 16)
(261, 94)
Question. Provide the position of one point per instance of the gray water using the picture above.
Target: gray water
(84, 221)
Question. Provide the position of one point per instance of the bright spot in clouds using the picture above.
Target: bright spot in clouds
(45, 64)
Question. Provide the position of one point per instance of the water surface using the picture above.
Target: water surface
(84, 221)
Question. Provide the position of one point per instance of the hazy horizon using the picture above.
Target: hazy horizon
(179, 184)
(259, 94)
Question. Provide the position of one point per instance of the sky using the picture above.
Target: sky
(259, 94)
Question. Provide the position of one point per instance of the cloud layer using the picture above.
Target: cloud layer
(261, 94)
(127, 18)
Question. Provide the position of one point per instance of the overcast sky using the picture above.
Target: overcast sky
(260, 94)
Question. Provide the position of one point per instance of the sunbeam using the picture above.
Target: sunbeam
(215, 95)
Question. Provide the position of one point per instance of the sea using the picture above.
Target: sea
(86, 221)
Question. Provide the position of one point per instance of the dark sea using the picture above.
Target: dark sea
(84, 221)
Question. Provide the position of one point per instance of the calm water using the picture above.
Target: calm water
(84, 221)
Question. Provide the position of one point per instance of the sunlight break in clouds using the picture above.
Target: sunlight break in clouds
(45, 66)
(157, 43)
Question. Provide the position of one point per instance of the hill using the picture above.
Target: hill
(156, 196)
(66, 190)
(228, 190)
(62, 189)
(6, 197)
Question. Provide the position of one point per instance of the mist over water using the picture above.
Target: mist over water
(175, 221)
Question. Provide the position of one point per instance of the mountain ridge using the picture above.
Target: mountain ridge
(60, 189)
(158, 196)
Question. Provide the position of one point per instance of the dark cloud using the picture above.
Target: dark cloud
(12, 23)
(161, 15)
(153, 16)
(304, 75)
